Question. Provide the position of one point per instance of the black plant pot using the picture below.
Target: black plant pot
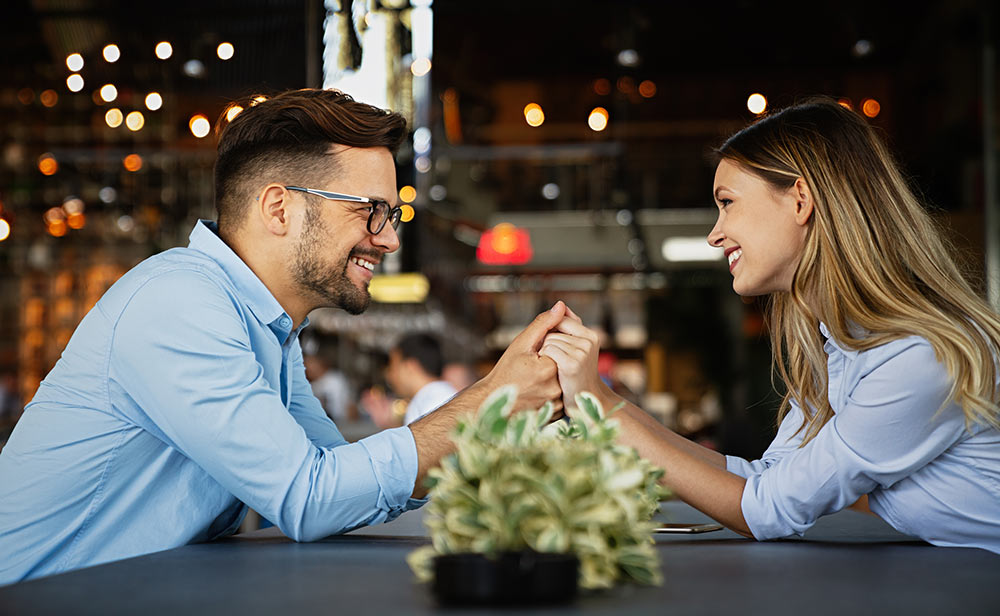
(511, 578)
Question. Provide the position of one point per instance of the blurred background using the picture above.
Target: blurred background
(558, 150)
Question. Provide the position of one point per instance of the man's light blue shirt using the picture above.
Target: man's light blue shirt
(181, 396)
(894, 438)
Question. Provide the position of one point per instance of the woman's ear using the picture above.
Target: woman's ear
(803, 201)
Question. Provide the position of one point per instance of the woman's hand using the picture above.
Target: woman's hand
(574, 349)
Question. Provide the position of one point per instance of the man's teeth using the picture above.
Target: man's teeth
(736, 254)
(368, 265)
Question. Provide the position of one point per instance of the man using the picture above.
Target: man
(414, 373)
(181, 398)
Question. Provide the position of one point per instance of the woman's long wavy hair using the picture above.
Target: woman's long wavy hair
(874, 266)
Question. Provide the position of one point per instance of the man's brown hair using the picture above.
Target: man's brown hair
(286, 138)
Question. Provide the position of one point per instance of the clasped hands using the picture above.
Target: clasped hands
(553, 359)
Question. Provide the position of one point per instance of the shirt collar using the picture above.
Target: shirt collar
(832, 342)
(205, 238)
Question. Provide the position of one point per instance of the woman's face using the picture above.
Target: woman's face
(761, 229)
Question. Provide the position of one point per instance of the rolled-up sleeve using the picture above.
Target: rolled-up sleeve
(889, 427)
(211, 401)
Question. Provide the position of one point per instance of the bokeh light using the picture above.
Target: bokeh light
(47, 164)
(870, 107)
(757, 103)
(164, 50)
(109, 92)
(134, 121)
(407, 193)
(602, 86)
(225, 51)
(74, 62)
(114, 117)
(49, 98)
(111, 52)
(74, 82)
(4, 229)
(598, 119)
(199, 125)
(647, 89)
(232, 112)
(154, 101)
(132, 162)
(533, 114)
(421, 66)
(407, 212)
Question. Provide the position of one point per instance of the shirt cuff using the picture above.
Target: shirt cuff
(739, 466)
(393, 454)
(762, 514)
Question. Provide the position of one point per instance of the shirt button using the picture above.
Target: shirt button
(285, 322)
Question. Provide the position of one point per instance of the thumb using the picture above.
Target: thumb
(531, 338)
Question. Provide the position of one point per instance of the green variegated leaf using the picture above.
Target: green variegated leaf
(590, 405)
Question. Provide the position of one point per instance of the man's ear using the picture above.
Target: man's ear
(803, 201)
(272, 207)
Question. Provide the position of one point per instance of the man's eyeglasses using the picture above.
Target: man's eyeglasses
(380, 212)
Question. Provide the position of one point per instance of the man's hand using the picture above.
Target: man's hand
(574, 349)
(521, 365)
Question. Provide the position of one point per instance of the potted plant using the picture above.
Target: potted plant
(525, 508)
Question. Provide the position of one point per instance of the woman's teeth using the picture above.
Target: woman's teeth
(736, 254)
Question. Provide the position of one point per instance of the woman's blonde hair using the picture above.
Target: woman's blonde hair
(874, 262)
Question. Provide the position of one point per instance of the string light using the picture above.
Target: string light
(407, 193)
(132, 162)
(47, 164)
(225, 51)
(407, 213)
(870, 107)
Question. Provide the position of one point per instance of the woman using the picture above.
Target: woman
(887, 354)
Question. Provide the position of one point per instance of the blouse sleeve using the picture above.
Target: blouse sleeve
(895, 421)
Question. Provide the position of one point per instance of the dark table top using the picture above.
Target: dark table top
(848, 563)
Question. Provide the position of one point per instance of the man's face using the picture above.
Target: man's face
(335, 255)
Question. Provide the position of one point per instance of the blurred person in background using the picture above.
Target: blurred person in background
(181, 398)
(414, 373)
(330, 386)
(888, 355)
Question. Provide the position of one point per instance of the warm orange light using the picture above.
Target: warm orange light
(647, 89)
(504, 238)
(4, 229)
(132, 162)
(134, 121)
(25, 96)
(232, 112)
(598, 119)
(114, 117)
(845, 102)
(602, 86)
(533, 114)
(47, 164)
(199, 125)
(407, 193)
(626, 85)
(54, 215)
(870, 107)
(408, 212)
(259, 99)
(49, 98)
(57, 228)
(757, 103)
(76, 221)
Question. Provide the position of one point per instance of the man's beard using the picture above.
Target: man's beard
(330, 283)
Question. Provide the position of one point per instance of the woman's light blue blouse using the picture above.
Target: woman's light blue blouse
(924, 471)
